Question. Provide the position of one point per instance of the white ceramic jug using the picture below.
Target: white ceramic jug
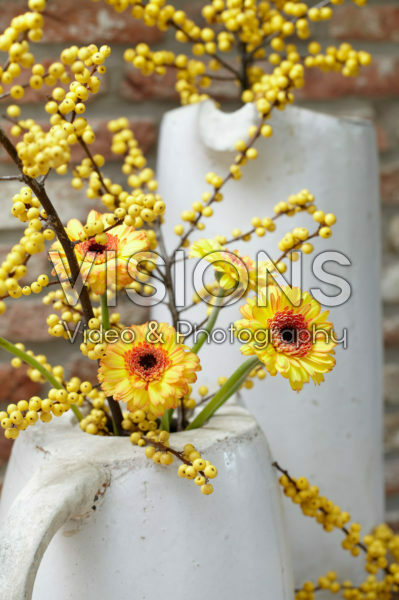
(96, 519)
(331, 434)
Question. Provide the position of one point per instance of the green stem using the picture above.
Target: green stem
(113, 405)
(210, 324)
(166, 419)
(30, 360)
(105, 311)
(231, 386)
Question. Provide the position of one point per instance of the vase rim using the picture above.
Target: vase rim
(356, 121)
(64, 440)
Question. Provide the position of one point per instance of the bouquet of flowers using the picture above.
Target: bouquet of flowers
(146, 371)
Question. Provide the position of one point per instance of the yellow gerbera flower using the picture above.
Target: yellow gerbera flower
(233, 268)
(115, 261)
(147, 374)
(290, 335)
(261, 277)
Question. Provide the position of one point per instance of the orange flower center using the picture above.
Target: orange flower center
(289, 333)
(91, 247)
(146, 361)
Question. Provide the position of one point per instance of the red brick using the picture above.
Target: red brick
(389, 184)
(392, 477)
(391, 443)
(16, 385)
(5, 449)
(372, 23)
(392, 520)
(383, 141)
(138, 87)
(25, 321)
(392, 235)
(391, 384)
(194, 11)
(85, 21)
(379, 80)
(391, 331)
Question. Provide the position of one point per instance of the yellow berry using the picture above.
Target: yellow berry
(325, 232)
(207, 489)
(210, 471)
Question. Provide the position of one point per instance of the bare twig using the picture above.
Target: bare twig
(11, 178)
(95, 167)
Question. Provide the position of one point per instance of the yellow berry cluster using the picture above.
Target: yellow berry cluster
(258, 372)
(344, 59)
(298, 238)
(320, 508)
(70, 315)
(197, 469)
(187, 70)
(41, 150)
(303, 201)
(97, 421)
(378, 546)
(326, 582)
(139, 422)
(73, 392)
(133, 208)
(145, 432)
(376, 557)
(17, 417)
(14, 41)
(154, 14)
(26, 207)
(292, 242)
(94, 347)
(63, 325)
(372, 588)
(33, 373)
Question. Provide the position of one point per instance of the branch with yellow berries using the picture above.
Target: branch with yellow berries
(194, 467)
(39, 190)
(154, 377)
(331, 517)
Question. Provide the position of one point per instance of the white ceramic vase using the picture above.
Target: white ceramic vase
(331, 434)
(90, 517)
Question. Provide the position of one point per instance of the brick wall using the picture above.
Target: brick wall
(374, 95)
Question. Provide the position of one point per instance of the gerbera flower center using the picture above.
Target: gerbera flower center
(289, 333)
(92, 247)
(146, 361)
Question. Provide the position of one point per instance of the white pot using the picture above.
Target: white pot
(119, 526)
(333, 433)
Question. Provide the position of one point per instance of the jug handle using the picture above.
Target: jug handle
(51, 497)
